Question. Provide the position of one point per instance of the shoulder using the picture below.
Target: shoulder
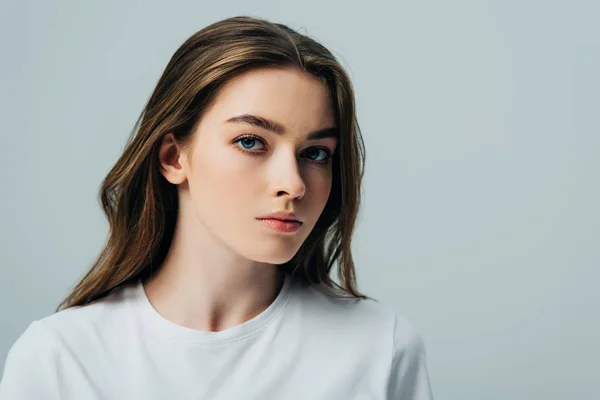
(368, 321)
(29, 369)
(36, 342)
(401, 334)
(100, 315)
(379, 335)
(408, 339)
(408, 376)
(75, 328)
(44, 344)
(320, 302)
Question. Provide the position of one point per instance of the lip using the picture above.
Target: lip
(282, 216)
(284, 222)
(281, 226)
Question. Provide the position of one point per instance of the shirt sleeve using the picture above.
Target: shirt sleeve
(29, 371)
(409, 378)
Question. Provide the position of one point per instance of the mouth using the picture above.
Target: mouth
(281, 225)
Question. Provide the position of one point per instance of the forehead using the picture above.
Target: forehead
(292, 97)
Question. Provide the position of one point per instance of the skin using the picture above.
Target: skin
(221, 268)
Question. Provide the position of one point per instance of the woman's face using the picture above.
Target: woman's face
(239, 167)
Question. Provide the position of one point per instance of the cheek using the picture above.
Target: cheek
(319, 186)
(223, 183)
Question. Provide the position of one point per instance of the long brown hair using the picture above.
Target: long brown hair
(141, 205)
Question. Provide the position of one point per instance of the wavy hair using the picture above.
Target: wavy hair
(141, 205)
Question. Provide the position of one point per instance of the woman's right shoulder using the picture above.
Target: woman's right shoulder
(71, 325)
(36, 339)
(35, 354)
(29, 366)
(75, 322)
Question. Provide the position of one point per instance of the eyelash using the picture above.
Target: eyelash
(240, 138)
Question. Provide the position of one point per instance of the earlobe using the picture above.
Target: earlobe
(170, 159)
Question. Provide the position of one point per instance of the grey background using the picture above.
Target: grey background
(481, 124)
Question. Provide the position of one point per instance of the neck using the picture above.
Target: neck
(205, 286)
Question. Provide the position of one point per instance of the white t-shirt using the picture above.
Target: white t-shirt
(305, 345)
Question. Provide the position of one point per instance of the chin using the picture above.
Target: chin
(272, 255)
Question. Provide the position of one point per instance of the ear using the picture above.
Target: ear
(171, 160)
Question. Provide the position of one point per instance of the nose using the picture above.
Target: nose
(286, 178)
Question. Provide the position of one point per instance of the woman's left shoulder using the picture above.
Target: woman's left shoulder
(404, 333)
(360, 315)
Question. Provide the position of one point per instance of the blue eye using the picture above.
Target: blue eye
(249, 142)
(317, 154)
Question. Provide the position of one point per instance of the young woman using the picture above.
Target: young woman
(235, 197)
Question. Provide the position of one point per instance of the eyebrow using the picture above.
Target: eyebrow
(275, 127)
